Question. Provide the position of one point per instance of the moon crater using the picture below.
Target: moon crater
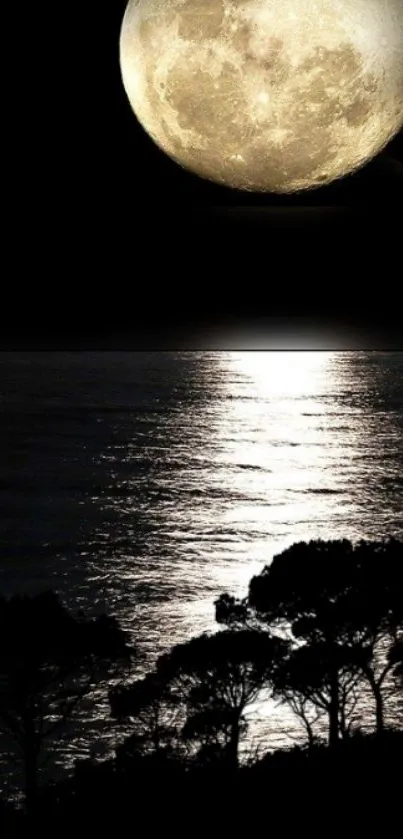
(265, 95)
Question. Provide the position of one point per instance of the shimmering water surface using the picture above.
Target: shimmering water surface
(148, 483)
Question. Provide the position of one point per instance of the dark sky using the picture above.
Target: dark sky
(119, 244)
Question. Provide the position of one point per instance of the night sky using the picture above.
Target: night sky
(119, 245)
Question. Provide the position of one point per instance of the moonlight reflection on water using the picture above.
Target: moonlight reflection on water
(148, 483)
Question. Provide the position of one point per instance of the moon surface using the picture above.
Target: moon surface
(266, 95)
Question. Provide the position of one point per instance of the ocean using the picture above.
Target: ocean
(147, 483)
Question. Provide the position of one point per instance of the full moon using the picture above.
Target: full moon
(266, 95)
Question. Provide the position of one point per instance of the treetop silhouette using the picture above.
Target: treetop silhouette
(49, 661)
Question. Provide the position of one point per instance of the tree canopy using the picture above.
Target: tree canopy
(214, 678)
(49, 660)
(344, 599)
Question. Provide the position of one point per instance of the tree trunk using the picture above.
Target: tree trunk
(342, 722)
(376, 688)
(334, 711)
(311, 736)
(233, 745)
(309, 729)
(380, 724)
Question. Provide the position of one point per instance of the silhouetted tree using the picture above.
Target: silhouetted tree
(200, 690)
(154, 713)
(232, 612)
(218, 676)
(373, 614)
(304, 709)
(306, 679)
(49, 660)
(396, 660)
(212, 727)
(330, 595)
